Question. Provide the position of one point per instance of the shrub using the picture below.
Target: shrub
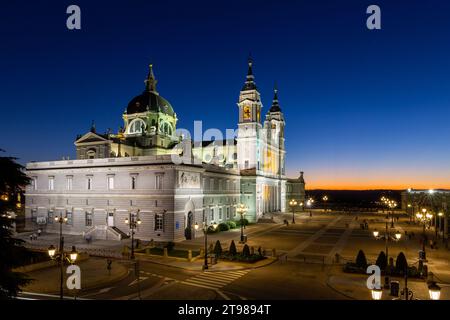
(223, 226)
(246, 251)
(218, 248)
(401, 264)
(170, 245)
(382, 261)
(232, 250)
(231, 224)
(211, 229)
(245, 222)
(361, 261)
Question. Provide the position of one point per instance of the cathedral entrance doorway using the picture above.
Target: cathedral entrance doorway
(189, 226)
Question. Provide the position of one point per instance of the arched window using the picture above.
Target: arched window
(91, 154)
(136, 126)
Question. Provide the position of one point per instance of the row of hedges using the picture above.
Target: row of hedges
(225, 226)
(400, 267)
(233, 255)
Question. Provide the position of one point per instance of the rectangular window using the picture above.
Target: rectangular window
(88, 218)
(211, 184)
(220, 213)
(133, 183)
(50, 217)
(159, 222)
(159, 182)
(69, 218)
(51, 183)
(33, 215)
(34, 183)
(228, 213)
(110, 182)
(89, 183)
(212, 214)
(69, 182)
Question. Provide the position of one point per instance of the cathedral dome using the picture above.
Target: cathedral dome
(149, 101)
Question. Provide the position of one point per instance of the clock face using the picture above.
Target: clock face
(247, 113)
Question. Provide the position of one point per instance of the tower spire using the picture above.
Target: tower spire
(150, 82)
(275, 105)
(93, 126)
(250, 79)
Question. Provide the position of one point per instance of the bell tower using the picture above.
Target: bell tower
(249, 125)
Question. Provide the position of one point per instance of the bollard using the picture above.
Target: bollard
(189, 255)
(166, 254)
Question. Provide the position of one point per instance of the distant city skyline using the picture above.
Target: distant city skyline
(364, 109)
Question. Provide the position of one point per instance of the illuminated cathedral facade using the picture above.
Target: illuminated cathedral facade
(151, 172)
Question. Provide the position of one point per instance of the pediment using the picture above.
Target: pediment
(91, 137)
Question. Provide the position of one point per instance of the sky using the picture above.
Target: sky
(364, 109)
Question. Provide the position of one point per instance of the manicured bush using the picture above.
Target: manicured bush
(401, 264)
(218, 248)
(245, 222)
(246, 251)
(382, 261)
(232, 250)
(211, 229)
(170, 245)
(361, 261)
(223, 226)
(231, 224)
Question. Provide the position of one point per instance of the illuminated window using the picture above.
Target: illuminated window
(69, 217)
(136, 126)
(50, 216)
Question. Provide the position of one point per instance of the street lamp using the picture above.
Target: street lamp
(205, 227)
(242, 210)
(387, 237)
(435, 291)
(392, 204)
(325, 199)
(61, 256)
(377, 293)
(424, 217)
(438, 223)
(133, 221)
(309, 203)
(293, 204)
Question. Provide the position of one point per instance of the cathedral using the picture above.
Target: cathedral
(151, 172)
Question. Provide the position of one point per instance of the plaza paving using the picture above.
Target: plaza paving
(306, 266)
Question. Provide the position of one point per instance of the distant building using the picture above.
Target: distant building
(133, 172)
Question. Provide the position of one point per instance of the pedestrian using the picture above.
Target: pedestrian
(31, 237)
(39, 232)
(34, 236)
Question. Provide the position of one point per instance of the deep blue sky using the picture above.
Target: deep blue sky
(363, 108)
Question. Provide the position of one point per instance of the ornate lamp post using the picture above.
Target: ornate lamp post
(424, 217)
(61, 256)
(242, 210)
(133, 221)
(293, 204)
(325, 199)
(205, 227)
(392, 204)
(309, 204)
(387, 237)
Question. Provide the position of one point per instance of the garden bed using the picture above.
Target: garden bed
(172, 253)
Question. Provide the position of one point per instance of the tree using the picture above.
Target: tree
(12, 251)
(233, 250)
(218, 248)
(400, 263)
(382, 261)
(361, 261)
(246, 251)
